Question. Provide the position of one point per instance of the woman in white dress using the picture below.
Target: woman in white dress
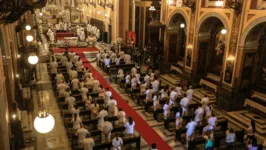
(130, 126)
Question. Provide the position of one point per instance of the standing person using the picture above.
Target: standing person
(251, 131)
(143, 87)
(84, 92)
(61, 88)
(75, 85)
(230, 139)
(121, 116)
(107, 128)
(208, 111)
(166, 110)
(71, 101)
(88, 143)
(81, 133)
(184, 104)
(95, 84)
(155, 85)
(94, 110)
(191, 126)
(253, 145)
(178, 124)
(155, 101)
(199, 112)
(190, 93)
(117, 142)
(147, 79)
(130, 126)
(102, 114)
(209, 143)
(179, 89)
(59, 77)
(108, 95)
(53, 66)
(112, 106)
(173, 95)
(205, 101)
(76, 122)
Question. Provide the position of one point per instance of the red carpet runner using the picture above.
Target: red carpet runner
(77, 50)
(142, 126)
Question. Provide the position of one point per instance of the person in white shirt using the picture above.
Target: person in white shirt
(117, 60)
(148, 94)
(63, 60)
(166, 110)
(153, 146)
(189, 93)
(76, 122)
(179, 89)
(79, 66)
(112, 106)
(107, 61)
(191, 126)
(138, 78)
(134, 71)
(120, 74)
(173, 96)
(103, 113)
(95, 85)
(73, 74)
(127, 59)
(75, 84)
(117, 142)
(81, 133)
(130, 126)
(155, 85)
(208, 111)
(108, 95)
(121, 116)
(147, 79)
(89, 82)
(134, 82)
(53, 66)
(152, 76)
(128, 78)
(69, 66)
(59, 78)
(98, 56)
(199, 112)
(212, 120)
(75, 59)
(107, 128)
(178, 124)
(71, 101)
(155, 101)
(88, 143)
(184, 104)
(94, 110)
(84, 92)
(230, 139)
(61, 87)
(205, 101)
(143, 87)
(75, 110)
(164, 93)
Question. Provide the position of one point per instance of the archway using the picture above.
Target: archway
(211, 47)
(176, 37)
(254, 59)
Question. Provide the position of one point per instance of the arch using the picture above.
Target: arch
(212, 14)
(177, 11)
(252, 25)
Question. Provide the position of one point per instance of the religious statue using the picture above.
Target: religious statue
(82, 34)
(97, 34)
(52, 37)
(78, 30)
(91, 40)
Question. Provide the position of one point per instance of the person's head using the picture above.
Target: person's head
(205, 95)
(68, 59)
(75, 116)
(231, 130)
(105, 119)
(111, 97)
(253, 125)
(107, 57)
(81, 125)
(88, 135)
(185, 95)
(120, 109)
(213, 115)
(79, 59)
(130, 120)
(153, 146)
(179, 85)
(107, 89)
(254, 142)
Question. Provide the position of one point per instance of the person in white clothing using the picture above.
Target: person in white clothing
(173, 96)
(205, 101)
(94, 110)
(95, 85)
(134, 82)
(88, 143)
(108, 95)
(117, 142)
(107, 61)
(71, 101)
(143, 87)
(59, 78)
(190, 93)
(179, 89)
(121, 116)
(63, 60)
(84, 92)
(112, 106)
(208, 111)
(53, 66)
(164, 93)
(81, 133)
(148, 94)
(155, 85)
(184, 104)
(102, 114)
(155, 102)
(199, 112)
(128, 78)
(178, 124)
(75, 84)
(212, 120)
(152, 75)
(69, 66)
(130, 126)
(75, 110)
(76, 122)
(230, 139)
(120, 74)
(61, 87)
(147, 79)
(134, 71)
(73, 74)
(166, 110)
(107, 128)
(191, 126)
(78, 65)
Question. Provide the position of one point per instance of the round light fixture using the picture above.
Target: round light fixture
(44, 122)
(17, 75)
(28, 27)
(98, 12)
(29, 38)
(219, 3)
(106, 15)
(41, 14)
(182, 25)
(223, 31)
(18, 56)
(33, 59)
(171, 2)
(14, 116)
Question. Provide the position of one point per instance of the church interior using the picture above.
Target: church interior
(132, 74)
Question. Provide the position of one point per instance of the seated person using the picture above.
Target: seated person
(107, 128)
(88, 143)
(81, 133)
(117, 142)
(76, 122)
(121, 116)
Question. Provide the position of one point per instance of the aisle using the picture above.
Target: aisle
(145, 130)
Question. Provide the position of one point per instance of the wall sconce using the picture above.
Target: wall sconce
(190, 46)
(235, 4)
(182, 25)
(18, 56)
(14, 116)
(17, 75)
(219, 3)
(29, 38)
(230, 58)
(171, 2)
(223, 31)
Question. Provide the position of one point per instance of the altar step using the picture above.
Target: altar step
(199, 94)
(242, 120)
(170, 79)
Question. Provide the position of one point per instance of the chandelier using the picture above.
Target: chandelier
(106, 3)
(12, 10)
